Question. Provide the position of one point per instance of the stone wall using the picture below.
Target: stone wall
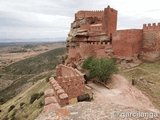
(150, 50)
(126, 43)
(110, 20)
(70, 80)
(85, 14)
(85, 49)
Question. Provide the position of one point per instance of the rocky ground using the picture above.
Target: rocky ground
(123, 102)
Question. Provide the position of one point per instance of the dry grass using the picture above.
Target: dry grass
(151, 82)
(28, 111)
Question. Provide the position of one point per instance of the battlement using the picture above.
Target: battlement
(70, 80)
(151, 27)
(85, 14)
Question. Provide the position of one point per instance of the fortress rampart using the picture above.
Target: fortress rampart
(85, 14)
(151, 27)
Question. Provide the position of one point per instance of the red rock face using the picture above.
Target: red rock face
(51, 107)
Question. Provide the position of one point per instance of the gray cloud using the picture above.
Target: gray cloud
(52, 18)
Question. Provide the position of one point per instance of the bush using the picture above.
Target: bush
(2, 101)
(41, 104)
(33, 97)
(47, 78)
(11, 108)
(101, 68)
(21, 104)
(13, 114)
(87, 62)
(40, 95)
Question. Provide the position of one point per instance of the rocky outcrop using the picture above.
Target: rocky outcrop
(94, 111)
(92, 31)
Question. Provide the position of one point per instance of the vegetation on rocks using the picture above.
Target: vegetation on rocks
(100, 68)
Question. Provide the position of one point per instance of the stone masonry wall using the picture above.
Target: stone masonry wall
(110, 20)
(70, 80)
(84, 14)
(126, 43)
(95, 49)
(150, 50)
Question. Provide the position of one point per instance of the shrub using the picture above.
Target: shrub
(41, 104)
(13, 114)
(47, 78)
(87, 62)
(11, 108)
(101, 68)
(2, 101)
(33, 97)
(21, 104)
(40, 95)
(12, 118)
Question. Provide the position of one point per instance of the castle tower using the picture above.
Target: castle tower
(110, 20)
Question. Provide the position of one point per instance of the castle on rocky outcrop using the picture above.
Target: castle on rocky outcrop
(94, 33)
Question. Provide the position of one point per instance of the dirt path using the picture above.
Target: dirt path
(123, 94)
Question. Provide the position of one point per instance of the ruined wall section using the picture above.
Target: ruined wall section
(126, 43)
(71, 81)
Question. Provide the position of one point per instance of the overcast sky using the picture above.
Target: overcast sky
(52, 18)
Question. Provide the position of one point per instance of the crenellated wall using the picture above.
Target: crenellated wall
(59, 93)
(90, 33)
(85, 49)
(85, 14)
(151, 27)
(70, 80)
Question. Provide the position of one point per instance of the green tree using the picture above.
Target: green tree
(102, 68)
(87, 62)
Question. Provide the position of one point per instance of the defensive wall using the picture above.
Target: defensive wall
(126, 43)
(85, 49)
(85, 14)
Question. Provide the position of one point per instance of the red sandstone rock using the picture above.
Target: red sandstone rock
(51, 107)
(49, 100)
